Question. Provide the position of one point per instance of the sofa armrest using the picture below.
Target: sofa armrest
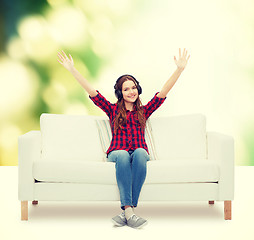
(220, 148)
(29, 149)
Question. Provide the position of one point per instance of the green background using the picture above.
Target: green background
(111, 38)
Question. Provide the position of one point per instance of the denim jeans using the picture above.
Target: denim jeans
(130, 173)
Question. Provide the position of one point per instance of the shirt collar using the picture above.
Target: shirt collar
(134, 109)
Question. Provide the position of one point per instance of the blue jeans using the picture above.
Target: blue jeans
(130, 174)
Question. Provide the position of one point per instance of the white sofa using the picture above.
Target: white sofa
(66, 161)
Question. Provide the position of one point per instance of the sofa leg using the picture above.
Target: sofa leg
(227, 210)
(211, 202)
(34, 202)
(24, 210)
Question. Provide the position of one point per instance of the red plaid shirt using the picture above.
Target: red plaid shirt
(131, 136)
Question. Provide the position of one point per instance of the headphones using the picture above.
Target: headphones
(118, 92)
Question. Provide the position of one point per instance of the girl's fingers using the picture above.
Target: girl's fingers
(64, 54)
(185, 55)
(59, 61)
(71, 57)
(60, 56)
(175, 60)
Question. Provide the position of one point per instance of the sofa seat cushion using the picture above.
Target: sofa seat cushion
(162, 171)
(74, 171)
(182, 171)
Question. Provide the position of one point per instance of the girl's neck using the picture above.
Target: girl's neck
(129, 106)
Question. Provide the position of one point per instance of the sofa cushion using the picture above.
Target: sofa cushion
(69, 138)
(162, 171)
(175, 171)
(75, 171)
(105, 134)
(180, 137)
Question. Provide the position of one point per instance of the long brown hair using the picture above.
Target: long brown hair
(120, 118)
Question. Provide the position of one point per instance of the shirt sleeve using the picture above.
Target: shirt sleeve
(102, 103)
(152, 105)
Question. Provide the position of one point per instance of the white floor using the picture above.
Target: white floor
(170, 220)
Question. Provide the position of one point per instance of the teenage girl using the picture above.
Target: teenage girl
(128, 149)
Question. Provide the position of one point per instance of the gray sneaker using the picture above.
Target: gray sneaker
(136, 222)
(119, 220)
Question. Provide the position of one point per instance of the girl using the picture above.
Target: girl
(128, 149)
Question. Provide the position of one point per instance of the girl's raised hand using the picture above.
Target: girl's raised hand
(65, 61)
(182, 61)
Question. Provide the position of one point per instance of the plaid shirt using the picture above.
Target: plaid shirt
(131, 136)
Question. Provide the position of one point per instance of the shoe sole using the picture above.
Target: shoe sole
(142, 225)
(118, 224)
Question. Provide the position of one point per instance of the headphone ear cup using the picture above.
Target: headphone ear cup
(118, 94)
(138, 86)
(139, 89)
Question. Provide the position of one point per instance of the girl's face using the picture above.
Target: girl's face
(129, 91)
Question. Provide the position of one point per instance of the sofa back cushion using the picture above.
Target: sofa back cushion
(70, 137)
(180, 137)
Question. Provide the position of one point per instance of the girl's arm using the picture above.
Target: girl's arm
(69, 65)
(181, 64)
